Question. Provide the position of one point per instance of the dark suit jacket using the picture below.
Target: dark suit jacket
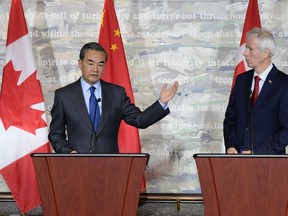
(269, 116)
(70, 116)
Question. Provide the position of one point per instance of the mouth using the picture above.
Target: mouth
(93, 75)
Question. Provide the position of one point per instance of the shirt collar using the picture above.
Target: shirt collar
(86, 86)
(264, 74)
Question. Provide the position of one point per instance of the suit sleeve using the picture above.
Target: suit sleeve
(57, 134)
(132, 115)
(230, 121)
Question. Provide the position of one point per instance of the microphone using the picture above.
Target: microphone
(93, 129)
(250, 123)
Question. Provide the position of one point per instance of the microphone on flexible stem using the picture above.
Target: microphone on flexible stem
(250, 124)
(93, 129)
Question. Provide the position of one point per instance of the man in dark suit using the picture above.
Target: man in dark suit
(71, 129)
(262, 127)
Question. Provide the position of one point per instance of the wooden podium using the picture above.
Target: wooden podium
(89, 184)
(237, 185)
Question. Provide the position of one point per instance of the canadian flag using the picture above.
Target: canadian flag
(23, 125)
(252, 20)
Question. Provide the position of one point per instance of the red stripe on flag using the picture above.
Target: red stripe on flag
(240, 68)
(17, 24)
(21, 178)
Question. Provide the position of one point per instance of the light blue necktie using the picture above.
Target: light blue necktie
(94, 110)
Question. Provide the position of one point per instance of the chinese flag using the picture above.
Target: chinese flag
(116, 71)
(23, 126)
(252, 20)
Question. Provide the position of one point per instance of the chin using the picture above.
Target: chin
(249, 65)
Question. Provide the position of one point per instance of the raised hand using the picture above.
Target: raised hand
(168, 93)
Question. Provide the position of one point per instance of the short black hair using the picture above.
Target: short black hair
(94, 46)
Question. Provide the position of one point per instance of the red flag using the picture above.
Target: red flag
(23, 126)
(116, 71)
(252, 20)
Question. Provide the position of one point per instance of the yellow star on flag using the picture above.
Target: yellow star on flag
(117, 32)
(114, 47)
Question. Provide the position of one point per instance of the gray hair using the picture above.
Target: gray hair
(265, 40)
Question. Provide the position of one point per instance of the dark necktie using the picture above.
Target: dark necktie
(94, 110)
(255, 91)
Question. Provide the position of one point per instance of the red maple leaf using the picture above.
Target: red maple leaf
(16, 101)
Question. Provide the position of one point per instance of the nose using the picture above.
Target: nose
(95, 68)
(245, 52)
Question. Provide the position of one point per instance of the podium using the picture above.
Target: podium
(89, 184)
(243, 184)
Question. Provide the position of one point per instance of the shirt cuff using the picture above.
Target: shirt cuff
(165, 106)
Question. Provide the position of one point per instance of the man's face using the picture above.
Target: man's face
(253, 55)
(92, 66)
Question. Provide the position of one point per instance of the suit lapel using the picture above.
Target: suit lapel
(247, 93)
(79, 103)
(248, 84)
(107, 101)
(268, 84)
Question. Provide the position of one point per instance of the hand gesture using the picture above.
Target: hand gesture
(168, 93)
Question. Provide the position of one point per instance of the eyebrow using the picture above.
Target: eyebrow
(90, 60)
(100, 62)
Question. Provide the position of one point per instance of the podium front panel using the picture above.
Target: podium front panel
(243, 184)
(90, 184)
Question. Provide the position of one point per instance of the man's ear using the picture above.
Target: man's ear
(267, 53)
